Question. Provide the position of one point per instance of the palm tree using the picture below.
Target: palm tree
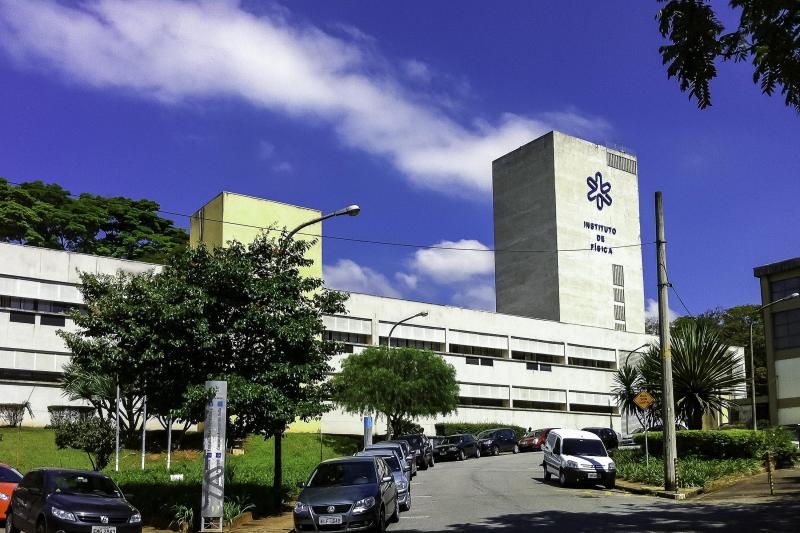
(627, 383)
(705, 372)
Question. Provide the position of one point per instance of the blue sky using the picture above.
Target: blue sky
(399, 108)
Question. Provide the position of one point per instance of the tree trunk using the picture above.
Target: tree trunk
(696, 420)
(277, 479)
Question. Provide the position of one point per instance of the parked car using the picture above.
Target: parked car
(9, 478)
(459, 447)
(422, 447)
(405, 453)
(50, 500)
(400, 479)
(540, 435)
(397, 452)
(350, 493)
(494, 441)
(577, 456)
(435, 441)
(527, 441)
(411, 455)
(607, 435)
(626, 440)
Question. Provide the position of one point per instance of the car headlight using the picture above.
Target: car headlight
(402, 485)
(452, 448)
(3, 497)
(300, 507)
(489, 441)
(135, 518)
(572, 464)
(362, 506)
(63, 515)
(612, 466)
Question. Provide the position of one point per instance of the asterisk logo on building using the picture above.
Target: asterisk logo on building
(599, 191)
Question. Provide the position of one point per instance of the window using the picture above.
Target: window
(591, 363)
(786, 329)
(413, 343)
(477, 350)
(545, 368)
(482, 402)
(619, 313)
(618, 275)
(784, 287)
(619, 326)
(623, 163)
(53, 320)
(341, 336)
(22, 318)
(473, 361)
(537, 357)
(619, 295)
(618, 280)
(532, 366)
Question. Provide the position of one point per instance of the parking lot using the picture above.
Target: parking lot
(506, 493)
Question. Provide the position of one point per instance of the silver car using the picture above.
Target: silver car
(405, 450)
(398, 452)
(400, 479)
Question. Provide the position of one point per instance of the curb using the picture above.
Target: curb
(637, 488)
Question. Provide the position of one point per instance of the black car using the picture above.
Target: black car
(50, 500)
(435, 441)
(607, 435)
(348, 494)
(459, 447)
(422, 447)
(494, 441)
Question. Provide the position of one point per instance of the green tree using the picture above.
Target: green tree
(46, 215)
(400, 383)
(767, 35)
(240, 313)
(705, 372)
(93, 435)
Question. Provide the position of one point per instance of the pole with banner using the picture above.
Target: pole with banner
(214, 458)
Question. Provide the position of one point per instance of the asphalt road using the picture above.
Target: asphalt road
(507, 493)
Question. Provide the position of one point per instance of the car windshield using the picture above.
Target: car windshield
(344, 473)
(455, 439)
(413, 440)
(86, 484)
(589, 447)
(486, 433)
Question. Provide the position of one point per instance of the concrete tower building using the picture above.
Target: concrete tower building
(563, 193)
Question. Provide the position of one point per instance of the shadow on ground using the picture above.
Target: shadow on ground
(772, 517)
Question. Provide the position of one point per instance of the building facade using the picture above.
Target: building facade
(782, 336)
(563, 193)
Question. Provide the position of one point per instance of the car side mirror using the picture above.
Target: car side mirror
(301, 484)
(387, 479)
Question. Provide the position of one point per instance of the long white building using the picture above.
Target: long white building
(570, 316)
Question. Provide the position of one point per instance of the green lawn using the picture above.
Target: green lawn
(248, 476)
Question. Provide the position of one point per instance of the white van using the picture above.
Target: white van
(575, 456)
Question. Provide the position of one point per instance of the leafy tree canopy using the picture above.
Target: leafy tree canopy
(767, 35)
(401, 383)
(46, 215)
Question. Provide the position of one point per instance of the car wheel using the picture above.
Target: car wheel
(495, 451)
(424, 465)
(380, 525)
(562, 479)
(395, 518)
(547, 474)
(477, 453)
(461, 455)
(41, 527)
(431, 462)
(9, 523)
(516, 449)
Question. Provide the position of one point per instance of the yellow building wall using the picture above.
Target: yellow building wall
(230, 216)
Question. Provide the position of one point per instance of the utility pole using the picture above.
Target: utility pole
(668, 399)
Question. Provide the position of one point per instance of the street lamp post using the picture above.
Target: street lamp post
(389, 339)
(350, 210)
(752, 365)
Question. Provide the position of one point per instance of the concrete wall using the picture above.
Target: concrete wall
(541, 203)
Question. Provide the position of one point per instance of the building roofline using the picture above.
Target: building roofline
(222, 193)
(777, 268)
(95, 256)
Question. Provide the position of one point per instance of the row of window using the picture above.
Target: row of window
(33, 305)
(413, 343)
(30, 318)
(527, 404)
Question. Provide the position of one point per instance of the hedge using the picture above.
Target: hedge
(454, 428)
(721, 444)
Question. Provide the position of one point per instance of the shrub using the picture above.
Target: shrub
(62, 414)
(93, 435)
(13, 413)
(453, 428)
(718, 444)
(778, 443)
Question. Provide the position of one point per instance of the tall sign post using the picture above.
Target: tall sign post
(644, 400)
(367, 430)
(668, 398)
(214, 458)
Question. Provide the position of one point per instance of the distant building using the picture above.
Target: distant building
(782, 334)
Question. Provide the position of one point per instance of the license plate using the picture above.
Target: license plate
(326, 520)
(104, 529)
(591, 476)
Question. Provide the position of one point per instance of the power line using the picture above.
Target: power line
(270, 229)
(674, 290)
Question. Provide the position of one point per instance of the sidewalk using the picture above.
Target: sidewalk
(271, 524)
(756, 488)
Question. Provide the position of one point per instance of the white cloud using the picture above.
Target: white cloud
(444, 265)
(175, 51)
(265, 150)
(476, 297)
(283, 167)
(347, 275)
(417, 70)
(408, 280)
(651, 311)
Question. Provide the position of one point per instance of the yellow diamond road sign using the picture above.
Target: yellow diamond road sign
(644, 399)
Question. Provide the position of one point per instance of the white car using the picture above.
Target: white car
(577, 456)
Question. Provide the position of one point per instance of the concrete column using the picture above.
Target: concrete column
(510, 397)
(568, 409)
(446, 340)
(375, 338)
(508, 346)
